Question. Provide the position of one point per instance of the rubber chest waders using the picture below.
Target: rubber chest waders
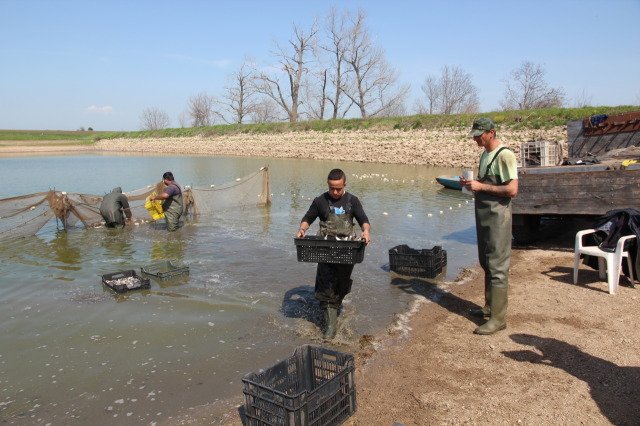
(493, 227)
(333, 281)
(173, 210)
(111, 209)
(338, 224)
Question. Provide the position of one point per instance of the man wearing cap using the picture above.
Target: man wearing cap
(497, 184)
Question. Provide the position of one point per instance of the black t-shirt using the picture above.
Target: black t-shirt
(348, 202)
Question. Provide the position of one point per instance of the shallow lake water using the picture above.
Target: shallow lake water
(72, 351)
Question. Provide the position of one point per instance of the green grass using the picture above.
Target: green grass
(50, 135)
(524, 119)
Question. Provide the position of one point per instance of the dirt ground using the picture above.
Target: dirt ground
(570, 353)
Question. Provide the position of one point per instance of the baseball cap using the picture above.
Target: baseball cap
(481, 125)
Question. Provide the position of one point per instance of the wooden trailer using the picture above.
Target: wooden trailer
(584, 187)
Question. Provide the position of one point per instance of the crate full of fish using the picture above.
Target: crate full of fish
(124, 281)
(329, 250)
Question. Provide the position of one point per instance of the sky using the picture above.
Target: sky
(70, 64)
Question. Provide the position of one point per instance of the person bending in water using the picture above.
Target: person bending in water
(114, 207)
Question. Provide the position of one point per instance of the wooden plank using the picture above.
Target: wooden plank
(603, 184)
(563, 169)
(592, 193)
(580, 143)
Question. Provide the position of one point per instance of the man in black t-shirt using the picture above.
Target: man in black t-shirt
(336, 209)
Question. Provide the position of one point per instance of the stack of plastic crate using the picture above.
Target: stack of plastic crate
(314, 386)
(538, 153)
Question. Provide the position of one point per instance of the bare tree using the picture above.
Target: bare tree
(265, 111)
(240, 96)
(419, 107)
(452, 93)
(154, 119)
(431, 89)
(336, 49)
(459, 95)
(527, 89)
(200, 109)
(184, 119)
(583, 99)
(397, 109)
(293, 63)
(373, 89)
(315, 94)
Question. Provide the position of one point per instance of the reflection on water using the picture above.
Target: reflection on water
(64, 252)
(171, 249)
(72, 351)
(117, 244)
(300, 302)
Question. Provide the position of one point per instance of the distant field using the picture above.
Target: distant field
(59, 137)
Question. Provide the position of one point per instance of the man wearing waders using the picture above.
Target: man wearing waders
(497, 184)
(336, 209)
(114, 207)
(172, 205)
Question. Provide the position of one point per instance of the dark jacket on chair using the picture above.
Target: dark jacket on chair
(614, 225)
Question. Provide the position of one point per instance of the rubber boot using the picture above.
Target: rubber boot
(330, 322)
(485, 311)
(497, 321)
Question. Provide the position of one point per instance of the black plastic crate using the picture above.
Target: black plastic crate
(320, 250)
(164, 269)
(314, 386)
(426, 263)
(116, 282)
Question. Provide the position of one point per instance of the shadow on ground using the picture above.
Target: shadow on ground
(556, 233)
(430, 291)
(587, 278)
(614, 389)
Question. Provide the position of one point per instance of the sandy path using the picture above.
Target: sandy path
(570, 354)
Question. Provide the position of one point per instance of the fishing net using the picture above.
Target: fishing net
(27, 214)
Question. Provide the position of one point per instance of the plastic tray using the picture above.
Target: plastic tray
(320, 250)
(164, 269)
(314, 386)
(417, 262)
(111, 281)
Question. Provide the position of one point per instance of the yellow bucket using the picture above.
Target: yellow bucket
(154, 208)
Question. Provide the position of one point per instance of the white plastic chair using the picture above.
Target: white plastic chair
(611, 263)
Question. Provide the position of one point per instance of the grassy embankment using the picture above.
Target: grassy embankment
(532, 119)
(48, 137)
